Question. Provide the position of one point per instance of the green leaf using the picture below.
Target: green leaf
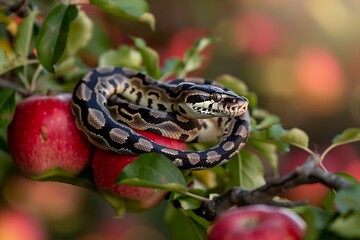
(204, 224)
(329, 200)
(150, 58)
(123, 56)
(233, 83)
(3, 143)
(188, 203)
(253, 99)
(260, 113)
(297, 138)
(266, 150)
(190, 64)
(118, 203)
(52, 37)
(259, 135)
(348, 199)
(192, 59)
(171, 67)
(200, 45)
(154, 171)
(179, 220)
(316, 219)
(24, 34)
(268, 121)
(79, 35)
(348, 177)
(68, 67)
(273, 133)
(2, 57)
(7, 106)
(265, 118)
(347, 226)
(136, 10)
(246, 170)
(347, 136)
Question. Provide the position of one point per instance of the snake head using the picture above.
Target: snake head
(207, 101)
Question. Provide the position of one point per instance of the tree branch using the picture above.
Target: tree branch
(305, 174)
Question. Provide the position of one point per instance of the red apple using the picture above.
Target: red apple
(44, 140)
(15, 225)
(107, 166)
(258, 222)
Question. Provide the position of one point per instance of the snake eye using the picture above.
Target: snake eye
(216, 97)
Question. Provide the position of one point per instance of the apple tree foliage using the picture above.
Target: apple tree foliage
(45, 58)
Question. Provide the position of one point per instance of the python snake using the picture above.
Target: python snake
(109, 101)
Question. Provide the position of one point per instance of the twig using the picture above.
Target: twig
(235, 197)
(35, 77)
(195, 196)
(19, 89)
(24, 80)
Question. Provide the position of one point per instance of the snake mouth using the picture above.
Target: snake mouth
(232, 109)
(236, 106)
(237, 109)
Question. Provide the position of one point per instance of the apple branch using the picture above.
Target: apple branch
(306, 174)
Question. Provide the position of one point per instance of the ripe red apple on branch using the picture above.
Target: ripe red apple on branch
(258, 222)
(44, 140)
(108, 165)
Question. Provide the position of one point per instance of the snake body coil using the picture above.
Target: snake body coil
(168, 109)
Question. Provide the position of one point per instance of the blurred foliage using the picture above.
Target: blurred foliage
(299, 58)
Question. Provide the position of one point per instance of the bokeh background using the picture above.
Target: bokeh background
(302, 58)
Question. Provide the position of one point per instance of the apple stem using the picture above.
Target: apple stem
(201, 198)
(35, 77)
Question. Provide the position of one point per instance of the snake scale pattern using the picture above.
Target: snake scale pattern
(109, 102)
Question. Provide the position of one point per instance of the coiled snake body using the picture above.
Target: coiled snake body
(109, 101)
